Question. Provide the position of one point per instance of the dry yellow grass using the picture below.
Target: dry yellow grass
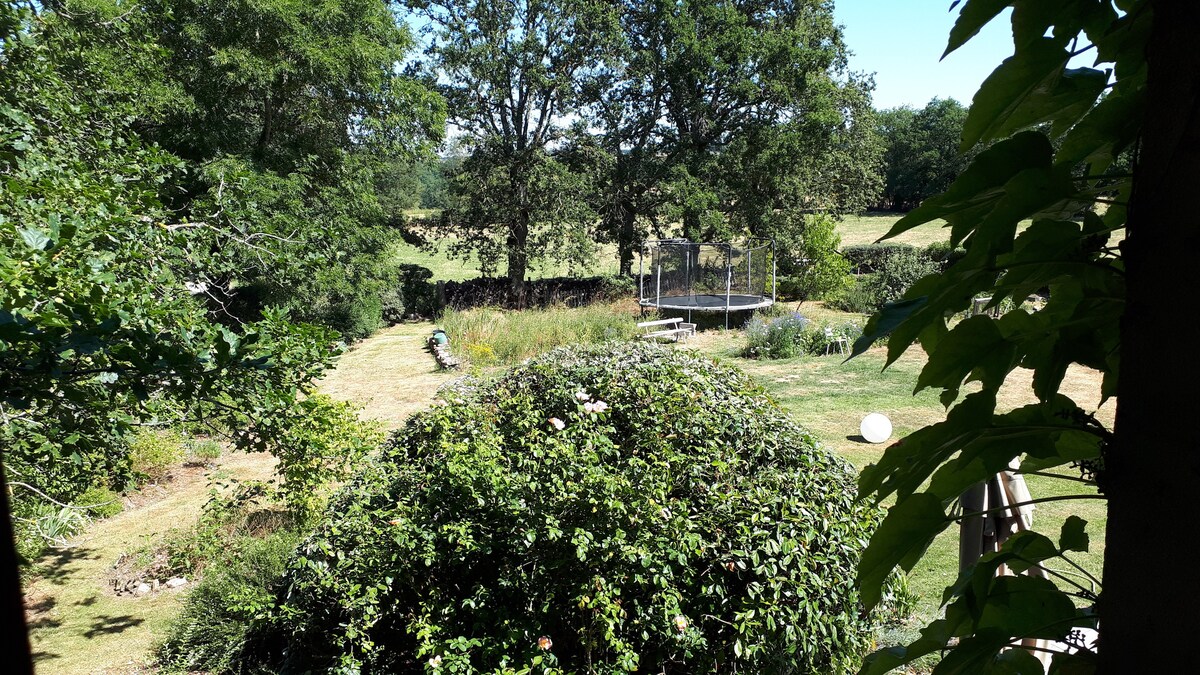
(390, 375)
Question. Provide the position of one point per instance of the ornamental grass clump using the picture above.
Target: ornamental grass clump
(599, 509)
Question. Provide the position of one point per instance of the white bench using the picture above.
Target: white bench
(675, 329)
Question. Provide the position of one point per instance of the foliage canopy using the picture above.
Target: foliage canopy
(1067, 250)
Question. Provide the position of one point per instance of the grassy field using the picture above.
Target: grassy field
(446, 269)
(830, 397)
(869, 227)
(857, 229)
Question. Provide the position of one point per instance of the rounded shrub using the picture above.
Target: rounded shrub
(604, 508)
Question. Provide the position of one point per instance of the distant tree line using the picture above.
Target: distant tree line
(921, 152)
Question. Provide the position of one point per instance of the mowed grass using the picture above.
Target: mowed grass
(830, 396)
(77, 625)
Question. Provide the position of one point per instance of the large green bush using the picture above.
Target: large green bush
(637, 507)
(895, 271)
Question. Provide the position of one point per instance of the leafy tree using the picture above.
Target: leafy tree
(721, 113)
(512, 75)
(922, 153)
(289, 114)
(1108, 309)
(808, 247)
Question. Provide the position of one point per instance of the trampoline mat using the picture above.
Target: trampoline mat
(709, 303)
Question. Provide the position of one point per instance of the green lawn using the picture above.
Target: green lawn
(830, 397)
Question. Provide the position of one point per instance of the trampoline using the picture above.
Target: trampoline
(706, 277)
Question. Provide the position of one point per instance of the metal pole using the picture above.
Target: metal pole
(687, 271)
(749, 283)
(773, 282)
(728, 280)
(642, 274)
(658, 285)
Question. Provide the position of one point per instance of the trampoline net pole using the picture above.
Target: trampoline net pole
(642, 274)
(728, 281)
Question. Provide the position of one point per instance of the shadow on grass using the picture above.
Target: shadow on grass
(59, 566)
(857, 438)
(37, 613)
(111, 625)
(39, 656)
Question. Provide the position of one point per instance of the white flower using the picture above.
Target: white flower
(557, 423)
(599, 406)
(436, 661)
(681, 623)
(583, 395)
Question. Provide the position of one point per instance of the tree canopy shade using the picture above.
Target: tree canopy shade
(1109, 308)
(922, 155)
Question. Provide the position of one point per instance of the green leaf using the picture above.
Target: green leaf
(35, 238)
(902, 538)
(974, 15)
(1074, 536)
(973, 192)
(908, 463)
(1028, 607)
(1107, 130)
(975, 348)
(1032, 87)
(1015, 661)
(1043, 432)
(934, 638)
(883, 322)
(974, 655)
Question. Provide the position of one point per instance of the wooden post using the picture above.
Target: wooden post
(970, 528)
(441, 296)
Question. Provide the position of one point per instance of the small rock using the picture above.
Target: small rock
(176, 582)
(142, 588)
(154, 585)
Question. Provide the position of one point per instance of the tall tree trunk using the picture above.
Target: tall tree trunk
(518, 258)
(1152, 470)
(691, 225)
(625, 238)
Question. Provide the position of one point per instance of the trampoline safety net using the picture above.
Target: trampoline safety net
(714, 277)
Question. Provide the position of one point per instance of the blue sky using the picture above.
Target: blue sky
(900, 41)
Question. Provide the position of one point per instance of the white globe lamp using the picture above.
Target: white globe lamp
(876, 428)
